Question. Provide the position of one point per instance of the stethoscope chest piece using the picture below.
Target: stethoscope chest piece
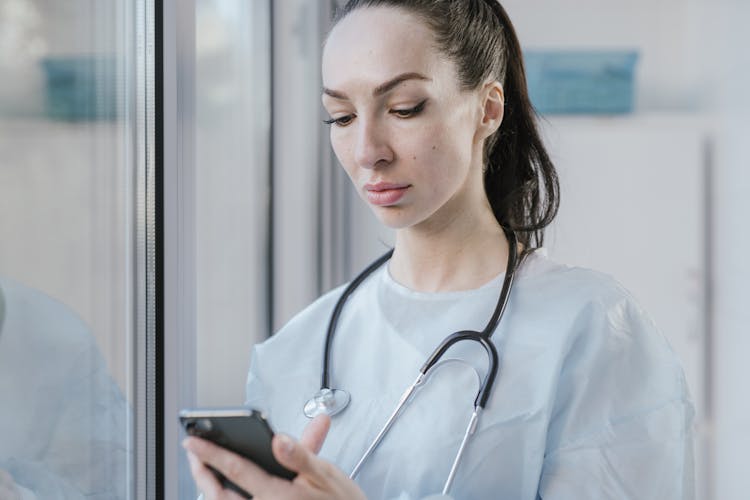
(327, 401)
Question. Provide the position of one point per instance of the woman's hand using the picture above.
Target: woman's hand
(316, 478)
(8, 488)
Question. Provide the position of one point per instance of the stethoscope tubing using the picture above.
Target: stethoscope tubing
(489, 378)
(324, 382)
(357, 281)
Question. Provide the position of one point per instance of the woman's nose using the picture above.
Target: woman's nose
(372, 148)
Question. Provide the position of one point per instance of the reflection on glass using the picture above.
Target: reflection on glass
(62, 416)
(66, 192)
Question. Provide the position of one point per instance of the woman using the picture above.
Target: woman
(430, 118)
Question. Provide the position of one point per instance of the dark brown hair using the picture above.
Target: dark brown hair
(520, 180)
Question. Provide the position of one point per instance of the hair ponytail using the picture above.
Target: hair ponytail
(520, 180)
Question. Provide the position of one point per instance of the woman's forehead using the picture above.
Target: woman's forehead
(375, 44)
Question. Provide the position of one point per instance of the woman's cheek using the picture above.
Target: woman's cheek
(342, 150)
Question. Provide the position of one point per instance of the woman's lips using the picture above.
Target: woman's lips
(384, 194)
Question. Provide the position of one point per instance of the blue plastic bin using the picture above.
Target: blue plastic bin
(578, 82)
(80, 88)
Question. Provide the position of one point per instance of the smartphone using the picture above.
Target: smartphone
(242, 430)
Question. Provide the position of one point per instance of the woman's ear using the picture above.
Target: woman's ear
(493, 107)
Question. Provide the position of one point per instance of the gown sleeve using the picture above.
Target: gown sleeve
(254, 387)
(621, 425)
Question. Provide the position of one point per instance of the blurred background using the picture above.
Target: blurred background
(643, 104)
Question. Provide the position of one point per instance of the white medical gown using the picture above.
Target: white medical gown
(590, 402)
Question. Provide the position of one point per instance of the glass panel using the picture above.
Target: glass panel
(67, 195)
(232, 83)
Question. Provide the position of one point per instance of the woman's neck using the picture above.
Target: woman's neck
(462, 253)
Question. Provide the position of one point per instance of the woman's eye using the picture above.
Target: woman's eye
(341, 121)
(408, 113)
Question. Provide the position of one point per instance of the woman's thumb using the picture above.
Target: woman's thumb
(315, 433)
(293, 455)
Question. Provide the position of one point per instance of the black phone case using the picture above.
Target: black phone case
(241, 430)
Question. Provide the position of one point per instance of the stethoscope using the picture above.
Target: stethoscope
(332, 401)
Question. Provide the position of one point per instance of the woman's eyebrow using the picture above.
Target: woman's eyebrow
(382, 88)
(392, 83)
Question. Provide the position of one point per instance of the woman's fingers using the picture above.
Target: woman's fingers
(243, 473)
(204, 478)
(317, 479)
(296, 457)
(315, 433)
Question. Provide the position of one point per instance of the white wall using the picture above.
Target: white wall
(731, 251)
(667, 32)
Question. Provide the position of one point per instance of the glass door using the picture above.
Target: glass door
(77, 254)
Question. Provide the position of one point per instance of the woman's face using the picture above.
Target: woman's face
(406, 134)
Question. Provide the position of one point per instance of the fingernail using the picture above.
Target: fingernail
(286, 444)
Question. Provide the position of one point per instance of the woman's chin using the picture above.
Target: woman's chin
(394, 217)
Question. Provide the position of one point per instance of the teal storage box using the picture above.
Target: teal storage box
(80, 87)
(581, 82)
